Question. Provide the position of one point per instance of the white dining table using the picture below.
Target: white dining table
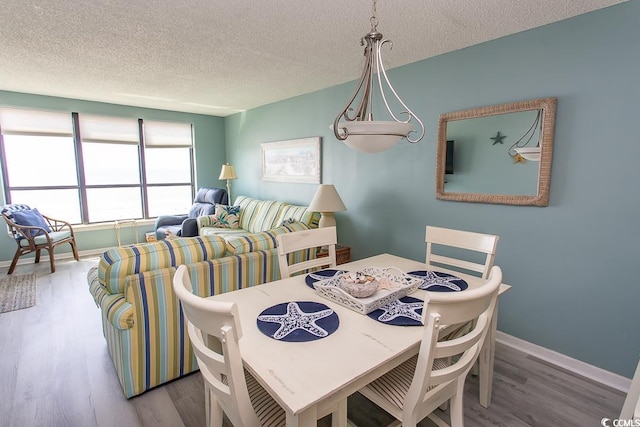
(302, 376)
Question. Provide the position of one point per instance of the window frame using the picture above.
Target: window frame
(82, 186)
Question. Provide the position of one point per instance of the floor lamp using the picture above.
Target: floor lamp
(228, 172)
(326, 201)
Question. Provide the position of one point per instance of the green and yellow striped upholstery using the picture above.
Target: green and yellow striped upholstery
(257, 215)
(143, 322)
(262, 215)
(117, 263)
(237, 245)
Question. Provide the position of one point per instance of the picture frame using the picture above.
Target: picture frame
(294, 160)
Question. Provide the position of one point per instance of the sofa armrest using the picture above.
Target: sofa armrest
(190, 227)
(115, 307)
(164, 220)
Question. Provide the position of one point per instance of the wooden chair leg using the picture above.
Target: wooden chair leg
(52, 261)
(37, 256)
(14, 261)
(74, 249)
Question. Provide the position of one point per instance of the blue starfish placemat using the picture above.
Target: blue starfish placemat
(435, 281)
(407, 311)
(298, 321)
(321, 275)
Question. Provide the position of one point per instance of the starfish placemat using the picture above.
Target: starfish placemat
(436, 281)
(312, 278)
(407, 311)
(298, 321)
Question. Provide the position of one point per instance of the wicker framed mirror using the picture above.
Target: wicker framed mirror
(497, 154)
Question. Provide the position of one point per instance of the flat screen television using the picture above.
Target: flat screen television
(448, 164)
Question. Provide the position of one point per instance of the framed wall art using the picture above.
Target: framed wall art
(295, 160)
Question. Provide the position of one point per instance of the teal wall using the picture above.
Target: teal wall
(573, 264)
(209, 152)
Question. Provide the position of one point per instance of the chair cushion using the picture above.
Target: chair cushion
(55, 237)
(223, 232)
(201, 209)
(394, 385)
(211, 196)
(173, 230)
(32, 218)
(269, 412)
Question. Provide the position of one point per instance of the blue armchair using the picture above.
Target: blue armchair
(186, 225)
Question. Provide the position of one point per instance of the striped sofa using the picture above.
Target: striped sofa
(141, 318)
(259, 215)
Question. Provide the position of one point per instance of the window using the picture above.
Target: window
(109, 169)
(167, 153)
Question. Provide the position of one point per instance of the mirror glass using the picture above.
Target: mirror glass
(497, 154)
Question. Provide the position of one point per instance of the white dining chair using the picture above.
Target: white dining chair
(414, 389)
(214, 331)
(464, 242)
(289, 243)
(631, 407)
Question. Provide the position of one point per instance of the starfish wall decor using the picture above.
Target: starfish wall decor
(498, 139)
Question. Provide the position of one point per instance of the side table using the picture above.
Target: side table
(343, 254)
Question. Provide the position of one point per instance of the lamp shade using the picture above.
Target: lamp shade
(326, 199)
(529, 153)
(375, 136)
(228, 172)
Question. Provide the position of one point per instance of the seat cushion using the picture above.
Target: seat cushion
(55, 236)
(268, 411)
(173, 230)
(394, 385)
(223, 232)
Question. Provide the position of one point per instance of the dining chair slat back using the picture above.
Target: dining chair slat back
(214, 330)
(413, 390)
(289, 243)
(485, 244)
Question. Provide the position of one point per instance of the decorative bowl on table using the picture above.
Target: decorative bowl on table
(358, 284)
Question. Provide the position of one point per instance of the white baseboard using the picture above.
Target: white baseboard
(594, 373)
(62, 256)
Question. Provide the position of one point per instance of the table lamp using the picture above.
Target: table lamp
(228, 173)
(326, 201)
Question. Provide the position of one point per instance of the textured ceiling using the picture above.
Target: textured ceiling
(219, 57)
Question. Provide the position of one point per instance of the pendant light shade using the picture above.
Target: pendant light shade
(356, 124)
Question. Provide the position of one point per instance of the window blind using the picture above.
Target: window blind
(105, 129)
(167, 134)
(17, 121)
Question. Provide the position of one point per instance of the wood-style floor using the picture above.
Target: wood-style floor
(55, 371)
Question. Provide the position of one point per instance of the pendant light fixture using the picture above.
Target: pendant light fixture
(520, 147)
(356, 124)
